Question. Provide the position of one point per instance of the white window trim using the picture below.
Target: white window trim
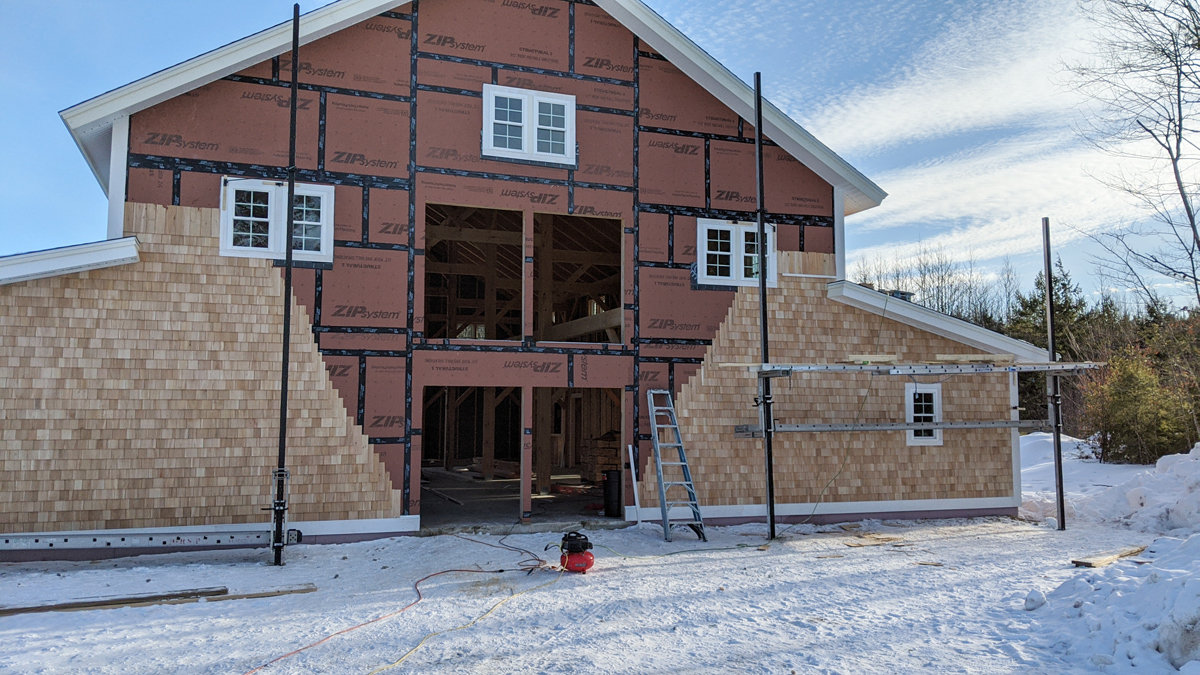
(738, 228)
(278, 219)
(911, 388)
(528, 126)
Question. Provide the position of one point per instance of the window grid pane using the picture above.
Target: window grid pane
(750, 255)
(251, 222)
(552, 122)
(507, 129)
(306, 223)
(923, 411)
(719, 253)
(551, 141)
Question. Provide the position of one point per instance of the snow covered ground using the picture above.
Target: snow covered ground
(1164, 498)
(942, 596)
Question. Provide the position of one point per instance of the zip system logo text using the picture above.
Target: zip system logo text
(677, 148)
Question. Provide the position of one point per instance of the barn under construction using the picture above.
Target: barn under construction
(511, 222)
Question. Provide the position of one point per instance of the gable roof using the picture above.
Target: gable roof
(90, 122)
(935, 322)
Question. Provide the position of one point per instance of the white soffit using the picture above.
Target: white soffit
(926, 319)
(68, 260)
(90, 122)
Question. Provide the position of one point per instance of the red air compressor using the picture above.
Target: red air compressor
(575, 554)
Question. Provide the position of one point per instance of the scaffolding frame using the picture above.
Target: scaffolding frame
(768, 427)
(768, 371)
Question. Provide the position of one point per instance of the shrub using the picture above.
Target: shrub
(1137, 418)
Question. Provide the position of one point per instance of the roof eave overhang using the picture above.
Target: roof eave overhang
(68, 260)
(934, 322)
(90, 122)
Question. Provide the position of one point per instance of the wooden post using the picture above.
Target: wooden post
(528, 288)
(543, 427)
(488, 465)
(544, 287)
(450, 451)
(526, 454)
(489, 292)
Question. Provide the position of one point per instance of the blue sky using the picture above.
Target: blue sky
(955, 107)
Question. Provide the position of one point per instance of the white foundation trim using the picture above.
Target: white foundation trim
(307, 527)
(828, 508)
(365, 526)
(68, 260)
(117, 171)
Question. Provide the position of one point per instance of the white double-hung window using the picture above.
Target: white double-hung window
(923, 403)
(729, 253)
(523, 124)
(253, 220)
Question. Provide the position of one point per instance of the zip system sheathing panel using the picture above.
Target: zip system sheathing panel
(364, 308)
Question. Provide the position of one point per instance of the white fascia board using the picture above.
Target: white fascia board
(68, 260)
(926, 319)
(96, 115)
(117, 172)
(859, 192)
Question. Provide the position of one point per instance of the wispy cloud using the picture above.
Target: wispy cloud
(986, 71)
(991, 198)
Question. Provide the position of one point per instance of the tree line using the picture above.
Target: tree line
(1142, 406)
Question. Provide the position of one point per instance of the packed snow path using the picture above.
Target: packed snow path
(809, 603)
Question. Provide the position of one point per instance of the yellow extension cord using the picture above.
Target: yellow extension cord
(474, 621)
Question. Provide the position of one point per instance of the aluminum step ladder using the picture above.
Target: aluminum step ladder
(662, 418)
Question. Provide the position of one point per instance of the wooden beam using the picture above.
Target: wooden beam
(616, 398)
(544, 257)
(543, 428)
(976, 358)
(489, 290)
(587, 257)
(451, 435)
(488, 464)
(470, 271)
(588, 324)
(436, 233)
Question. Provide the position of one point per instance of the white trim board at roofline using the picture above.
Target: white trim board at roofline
(90, 122)
(68, 260)
(926, 319)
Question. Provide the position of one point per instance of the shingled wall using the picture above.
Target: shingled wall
(147, 395)
(808, 327)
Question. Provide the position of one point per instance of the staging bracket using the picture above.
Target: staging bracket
(755, 431)
(787, 369)
(149, 539)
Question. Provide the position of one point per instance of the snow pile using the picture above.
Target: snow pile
(1164, 499)
(1127, 615)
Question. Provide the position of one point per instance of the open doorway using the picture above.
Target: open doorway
(471, 455)
(577, 279)
(473, 268)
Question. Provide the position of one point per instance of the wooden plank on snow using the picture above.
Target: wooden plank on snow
(1102, 559)
(107, 602)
